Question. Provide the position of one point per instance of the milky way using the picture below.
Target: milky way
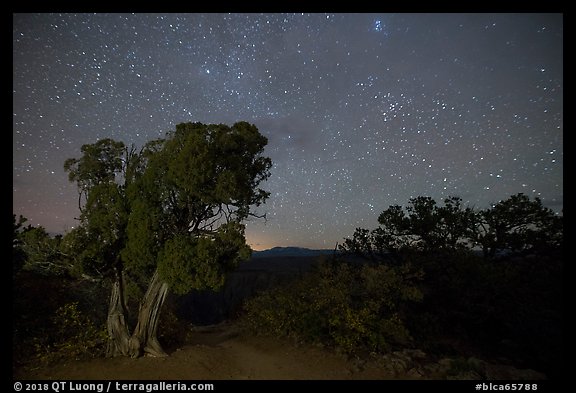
(362, 111)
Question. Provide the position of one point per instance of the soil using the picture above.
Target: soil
(216, 352)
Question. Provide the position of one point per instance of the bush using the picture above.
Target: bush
(351, 307)
(507, 308)
(73, 335)
(172, 331)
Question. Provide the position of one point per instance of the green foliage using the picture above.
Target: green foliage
(201, 263)
(176, 208)
(101, 175)
(176, 205)
(86, 257)
(143, 230)
(106, 213)
(99, 164)
(352, 307)
(188, 203)
(34, 249)
(73, 335)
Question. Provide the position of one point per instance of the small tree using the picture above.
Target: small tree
(34, 249)
(517, 300)
(518, 224)
(172, 212)
(422, 226)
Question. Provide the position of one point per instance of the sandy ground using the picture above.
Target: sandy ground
(216, 353)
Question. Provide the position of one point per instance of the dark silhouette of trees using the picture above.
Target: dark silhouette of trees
(170, 213)
(34, 249)
(491, 278)
(515, 225)
(18, 253)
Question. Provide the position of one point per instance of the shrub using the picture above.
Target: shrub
(73, 335)
(172, 330)
(349, 306)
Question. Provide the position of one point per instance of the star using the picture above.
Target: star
(361, 111)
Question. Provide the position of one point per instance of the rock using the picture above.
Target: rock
(400, 365)
(495, 372)
(390, 364)
(358, 366)
(415, 353)
(529, 374)
(402, 355)
(414, 373)
(465, 375)
(434, 370)
(445, 364)
(477, 364)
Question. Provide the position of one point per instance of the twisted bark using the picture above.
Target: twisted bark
(118, 335)
(144, 338)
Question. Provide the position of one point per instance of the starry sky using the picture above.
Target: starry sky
(362, 111)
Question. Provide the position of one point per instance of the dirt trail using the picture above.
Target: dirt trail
(216, 353)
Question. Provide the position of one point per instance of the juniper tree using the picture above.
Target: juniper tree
(172, 212)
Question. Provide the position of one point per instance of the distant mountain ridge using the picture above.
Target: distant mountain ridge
(290, 252)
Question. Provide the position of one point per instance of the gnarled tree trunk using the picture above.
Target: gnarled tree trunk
(144, 339)
(118, 334)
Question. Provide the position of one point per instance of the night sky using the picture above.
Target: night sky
(362, 111)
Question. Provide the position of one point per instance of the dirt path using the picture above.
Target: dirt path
(217, 353)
